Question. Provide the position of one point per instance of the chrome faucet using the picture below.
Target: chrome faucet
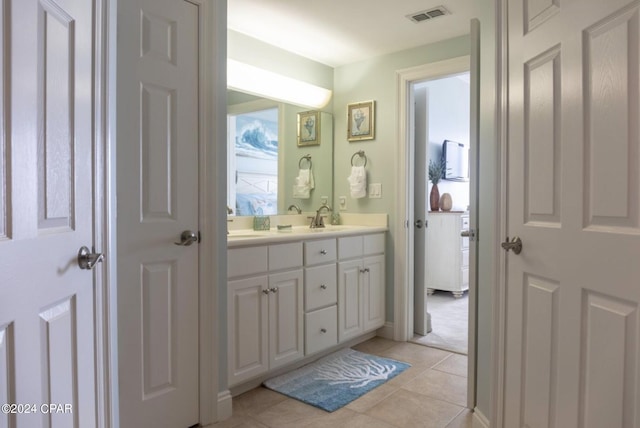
(295, 207)
(318, 221)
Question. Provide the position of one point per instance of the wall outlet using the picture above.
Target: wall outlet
(342, 203)
(324, 200)
(375, 190)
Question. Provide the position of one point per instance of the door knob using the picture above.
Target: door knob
(88, 260)
(419, 224)
(515, 244)
(187, 238)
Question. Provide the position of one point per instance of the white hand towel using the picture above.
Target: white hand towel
(358, 182)
(303, 184)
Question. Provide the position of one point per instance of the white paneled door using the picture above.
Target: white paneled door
(47, 314)
(573, 198)
(158, 249)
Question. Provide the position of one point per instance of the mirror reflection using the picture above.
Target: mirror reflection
(268, 170)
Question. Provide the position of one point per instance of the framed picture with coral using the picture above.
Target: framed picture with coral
(309, 128)
(361, 121)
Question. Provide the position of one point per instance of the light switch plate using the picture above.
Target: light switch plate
(342, 202)
(375, 190)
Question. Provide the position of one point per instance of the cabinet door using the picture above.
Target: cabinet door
(248, 328)
(286, 333)
(350, 316)
(373, 285)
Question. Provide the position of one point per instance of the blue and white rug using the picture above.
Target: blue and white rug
(337, 379)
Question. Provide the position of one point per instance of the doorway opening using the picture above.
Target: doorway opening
(442, 199)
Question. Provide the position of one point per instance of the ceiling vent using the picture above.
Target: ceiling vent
(427, 15)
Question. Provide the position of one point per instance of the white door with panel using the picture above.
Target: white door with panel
(574, 201)
(47, 313)
(286, 332)
(157, 209)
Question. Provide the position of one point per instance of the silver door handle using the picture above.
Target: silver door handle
(465, 233)
(515, 244)
(187, 238)
(88, 260)
(419, 224)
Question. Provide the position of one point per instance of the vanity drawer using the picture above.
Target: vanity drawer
(246, 261)
(321, 251)
(320, 287)
(373, 244)
(285, 256)
(349, 247)
(321, 329)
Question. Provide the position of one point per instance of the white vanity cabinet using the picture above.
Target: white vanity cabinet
(447, 253)
(265, 309)
(361, 285)
(294, 298)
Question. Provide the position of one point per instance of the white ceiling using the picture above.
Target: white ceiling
(339, 32)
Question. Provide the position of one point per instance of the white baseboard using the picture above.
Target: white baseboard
(479, 420)
(386, 331)
(225, 408)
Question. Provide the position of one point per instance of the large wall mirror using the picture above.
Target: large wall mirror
(265, 158)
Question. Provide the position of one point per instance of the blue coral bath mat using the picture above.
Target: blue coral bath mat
(337, 379)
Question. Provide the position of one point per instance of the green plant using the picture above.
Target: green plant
(436, 170)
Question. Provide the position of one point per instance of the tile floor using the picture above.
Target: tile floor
(430, 394)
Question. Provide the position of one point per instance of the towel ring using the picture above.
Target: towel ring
(361, 154)
(302, 159)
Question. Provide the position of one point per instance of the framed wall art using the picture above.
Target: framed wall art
(309, 128)
(361, 121)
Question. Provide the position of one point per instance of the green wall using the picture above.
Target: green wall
(375, 79)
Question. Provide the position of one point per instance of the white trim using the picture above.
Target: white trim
(225, 405)
(479, 420)
(212, 197)
(386, 331)
(104, 78)
(499, 285)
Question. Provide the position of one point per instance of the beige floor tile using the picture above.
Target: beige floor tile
(375, 346)
(239, 420)
(455, 364)
(372, 398)
(257, 400)
(293, 414)
(463, 420)
(416, 355)
(405, 409)
(441, 386)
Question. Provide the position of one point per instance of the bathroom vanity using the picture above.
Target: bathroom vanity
(295, 294)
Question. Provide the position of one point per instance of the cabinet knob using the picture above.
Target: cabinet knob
(323, 252)
(274, 289)
(323, 330)
(266, 291)
(364, 270)
(324, 287)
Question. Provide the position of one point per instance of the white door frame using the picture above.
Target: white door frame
(104, 113)
(403, 262)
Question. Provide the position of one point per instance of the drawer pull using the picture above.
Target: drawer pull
(324, 287)
(323, 330)
(323, 252)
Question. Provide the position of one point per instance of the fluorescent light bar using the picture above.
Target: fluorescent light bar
(257, 81)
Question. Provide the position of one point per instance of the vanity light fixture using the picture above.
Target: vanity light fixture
(264, 83)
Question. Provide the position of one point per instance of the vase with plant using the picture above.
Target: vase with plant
(436, 171)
